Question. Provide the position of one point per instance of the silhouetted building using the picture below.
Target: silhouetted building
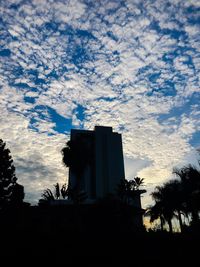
(105, 164)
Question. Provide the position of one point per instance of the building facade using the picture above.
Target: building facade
(104, 163)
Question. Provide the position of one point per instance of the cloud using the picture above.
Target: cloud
(37, 156)
(132, 166)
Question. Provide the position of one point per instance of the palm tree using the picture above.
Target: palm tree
(156, 212)
(129, 192)
(161, 196)
(126, 190)
(138, 182)
(175, 199)
(190, 182)
(49, 195)
(77, 155)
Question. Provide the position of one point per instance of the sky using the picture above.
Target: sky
(130, 64)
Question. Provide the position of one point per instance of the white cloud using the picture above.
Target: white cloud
(37, 156)
(128, 47)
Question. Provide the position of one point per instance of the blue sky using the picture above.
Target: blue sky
(131, 64)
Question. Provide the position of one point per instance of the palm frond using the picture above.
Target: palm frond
(48, 195)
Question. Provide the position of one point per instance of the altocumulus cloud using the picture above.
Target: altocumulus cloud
(133, 65)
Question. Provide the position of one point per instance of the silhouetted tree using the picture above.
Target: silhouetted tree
(122, 190)
(64, 192)
(161, 195)
(127, 191)
(76, 155)
(190, 186)
(176, 199)
(49, 195)
(138, 182)
(11, 193)
(156, 212)
(17, 195)
(169, 199)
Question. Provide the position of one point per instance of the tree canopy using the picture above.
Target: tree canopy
(177, 198)
(11, 193)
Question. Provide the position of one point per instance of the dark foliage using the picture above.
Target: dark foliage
(11, 193)
(76, 155)
(91, 236)
(178, 198)
(129, 190)
(58, 193)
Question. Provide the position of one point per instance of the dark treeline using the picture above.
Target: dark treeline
(100, 234)
(178, 198)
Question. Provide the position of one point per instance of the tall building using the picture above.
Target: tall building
(104, 163)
